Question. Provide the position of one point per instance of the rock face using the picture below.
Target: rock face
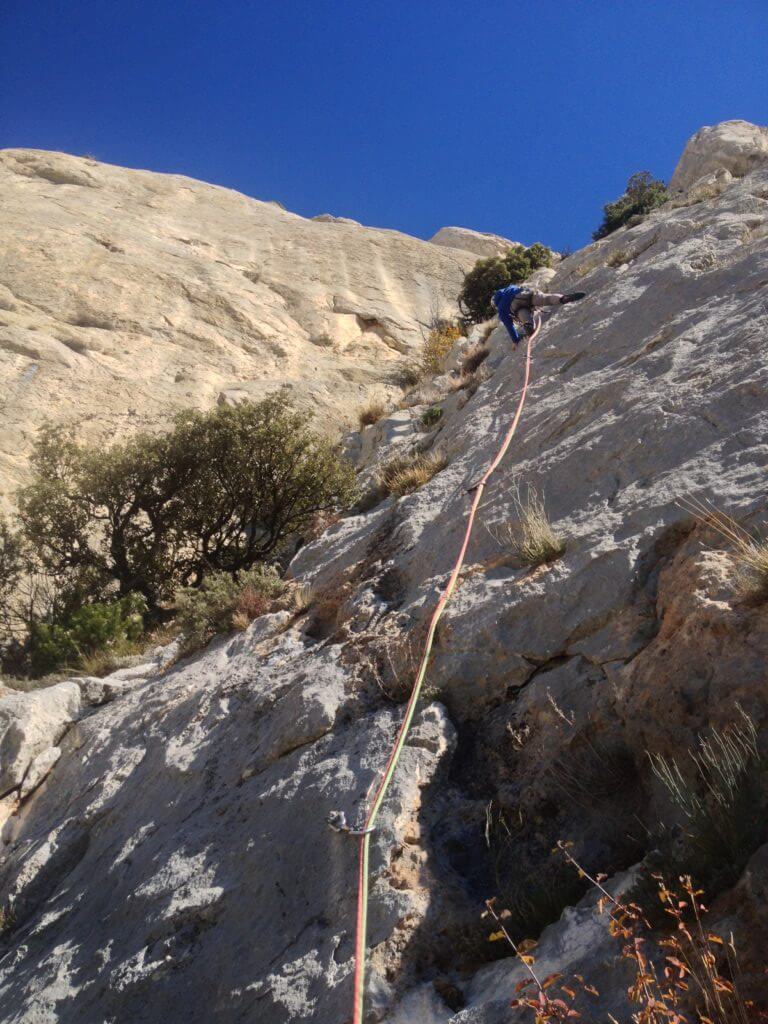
(734, 148)
(175, 864)
(472, 241)
(126, 295)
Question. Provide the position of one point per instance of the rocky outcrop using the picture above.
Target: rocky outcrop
(176, 863)
(126, 295)
(721, 152)
(31, 724)
(478, 242)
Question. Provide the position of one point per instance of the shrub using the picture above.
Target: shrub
(112, 627)
(371, 413)
(532, 539)
(221, 491)
(11, 569)
(431, 417)
(643, 194)
(488, 275)
(437, 345)
(406, 473)
(223, 603)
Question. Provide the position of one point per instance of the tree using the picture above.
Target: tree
(222, 490)
(643, 194)
(488, 275)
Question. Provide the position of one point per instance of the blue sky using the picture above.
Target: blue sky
(521, 119)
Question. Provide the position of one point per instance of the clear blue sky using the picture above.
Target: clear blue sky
(519, 118)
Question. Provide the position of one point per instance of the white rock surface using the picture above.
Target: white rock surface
(467, 240)
(30, 724)
(737, 147)
(126, 295)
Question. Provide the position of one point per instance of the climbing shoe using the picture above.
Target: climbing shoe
(573, 297)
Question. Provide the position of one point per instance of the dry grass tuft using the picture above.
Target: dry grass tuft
(406, 473)
(476, 355)
(617, 258)
(372, 413)
(532, 538)
(750, 552)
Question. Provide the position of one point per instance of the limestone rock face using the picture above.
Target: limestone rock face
(30, 725)
(478, 242)
(126, 295)
(176, 864)
(735, 147)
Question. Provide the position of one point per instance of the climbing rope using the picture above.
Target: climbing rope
(402, 735)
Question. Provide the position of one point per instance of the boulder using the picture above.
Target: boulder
(737, 147)
(31, 724)
(477, 242)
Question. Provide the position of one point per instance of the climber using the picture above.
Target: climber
(517, 303)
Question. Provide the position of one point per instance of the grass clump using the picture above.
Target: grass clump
(618, 258)
(431, 417)
(532, 539)
(224, 603)
(406, 473)
(371, 413)
(488, 275)
(750, 552)
(721, 806)
(474, 358)
(643, 194)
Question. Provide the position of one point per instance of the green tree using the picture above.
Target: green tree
(643, 194)
(488, 275)
(222, 490)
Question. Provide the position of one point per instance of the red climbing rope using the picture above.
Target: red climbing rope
(394, 757)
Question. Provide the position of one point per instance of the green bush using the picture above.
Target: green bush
(643, 194)
(223, 603)
(114, 626)
(488, 275)
(431, 417)
(221, 491)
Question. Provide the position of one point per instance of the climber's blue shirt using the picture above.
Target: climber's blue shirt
(502, 300)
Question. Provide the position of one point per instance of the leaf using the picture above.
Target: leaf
(496, 936)
(551, 979)
(527, 945)
(715, 938)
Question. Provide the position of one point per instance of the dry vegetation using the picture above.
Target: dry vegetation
(437, 344)
(750, 552)
(531, 538)
(474, 357)
(406, 473)
(372, 413)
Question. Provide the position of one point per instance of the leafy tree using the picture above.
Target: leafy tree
(643, 194)
(222, 490)
(488, 275)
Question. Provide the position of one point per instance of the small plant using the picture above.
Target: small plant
(406, 473)
(224, 603)
(495, 272)
(322, 340)
(722, 807)
(302, 597)
(474, 358)
(750, 552)
(643, 194)
(617, 259)
(7, 920)
(438, 343)
(103, 631)
(431, 417)
(371, 413)
(531, 538)
(407, 376)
